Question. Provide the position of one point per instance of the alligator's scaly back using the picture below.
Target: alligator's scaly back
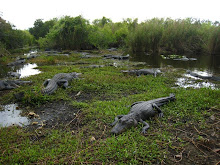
(60, 77)
(163, 100)
(140, 111)
(160, 101)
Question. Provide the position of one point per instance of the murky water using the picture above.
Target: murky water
(28, 70)
(10, 115)
(205, 65)
(25, 70)
(184, 82)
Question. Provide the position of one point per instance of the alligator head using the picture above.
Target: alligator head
(123, 124)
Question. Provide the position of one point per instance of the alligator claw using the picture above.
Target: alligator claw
(160, 114)
(144, 131)
(111, 124)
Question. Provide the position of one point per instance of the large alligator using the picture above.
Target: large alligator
(138, 72)
(214, 78)
(140, 111)
(11, 84)
(14, 74)
(17, 62)
(117, 57)
(60, 79)
(93, 66)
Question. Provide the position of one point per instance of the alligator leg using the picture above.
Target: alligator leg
(64, 83)
(145, 128)
(158, 109)
(9, 87)
(116, 119)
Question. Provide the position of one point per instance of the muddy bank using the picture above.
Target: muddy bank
(54, 115)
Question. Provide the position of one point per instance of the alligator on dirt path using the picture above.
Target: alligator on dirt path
(11, 84)
(60, 79)
(138, 72)
(140, 111)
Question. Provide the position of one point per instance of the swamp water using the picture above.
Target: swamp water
(10, 115)
(206, 65)
(25, 70)
(28, 70)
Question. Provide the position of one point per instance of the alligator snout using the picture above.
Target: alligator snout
(124, 123)
(117, 129)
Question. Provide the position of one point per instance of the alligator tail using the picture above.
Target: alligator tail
(51, 87)
(165, 100)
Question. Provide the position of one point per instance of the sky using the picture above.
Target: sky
(23, 13)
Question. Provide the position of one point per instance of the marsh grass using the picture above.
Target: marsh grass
(104, 93)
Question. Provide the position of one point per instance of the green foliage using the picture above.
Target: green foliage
(41, 28)
(156, 35)
(175, 36)
(214, 40)
(182, 36)
(152, 36)
(11, 38)
(67, 33)
(102, 22)
(147, 36)
(102, 37)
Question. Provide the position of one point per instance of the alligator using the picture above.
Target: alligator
(14, 74)
(138, 72)
(118, 57)
(140, 111)
(30, 56)
(93, 66)
(60, 79)
(67, 55)
(11, 84)
(86, 55)
(17, 62)
(214, 78)
(112, 49)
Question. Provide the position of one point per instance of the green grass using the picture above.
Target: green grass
(109, 93)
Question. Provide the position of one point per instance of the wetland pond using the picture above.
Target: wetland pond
(25, 70)
(206, 65)
(11, 115)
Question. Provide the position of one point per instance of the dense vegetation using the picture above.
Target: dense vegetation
(11, 38)
(152, 36)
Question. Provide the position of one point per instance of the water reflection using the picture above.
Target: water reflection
(210, 63)
(11, 116)
(28, 70)
(187, 83)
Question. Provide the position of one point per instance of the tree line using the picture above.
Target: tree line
(179, 36)
(12, 39)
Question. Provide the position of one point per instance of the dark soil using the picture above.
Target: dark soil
(57, 115)
(201, 146)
